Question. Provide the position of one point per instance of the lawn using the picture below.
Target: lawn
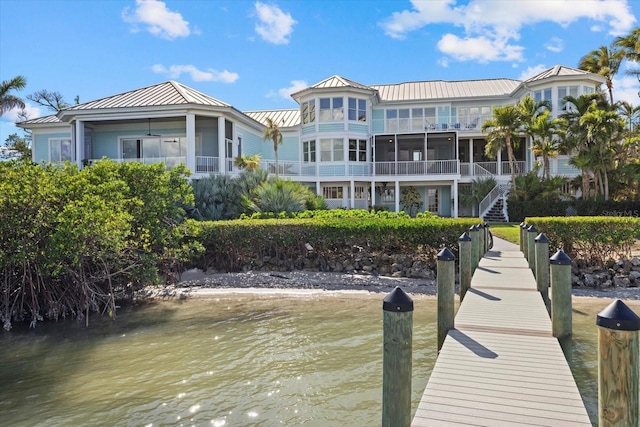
(507, 231)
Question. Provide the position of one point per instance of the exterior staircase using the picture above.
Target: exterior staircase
(496, 212)
(493, 208)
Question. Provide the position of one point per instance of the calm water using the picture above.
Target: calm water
(228, 361)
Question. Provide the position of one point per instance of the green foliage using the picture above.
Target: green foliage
(216, 197)
(74, 239)
(533, 187)
(477, 191)
(232, 244)
(593, 240)
(520, 209)
(20, 145)
(410, 199)
(277, 196)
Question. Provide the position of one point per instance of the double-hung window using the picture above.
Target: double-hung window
(332, 150)
(309, 111)
(309, 151)
(357, 110)
(331, 109)
(357, 150)
(60, 149)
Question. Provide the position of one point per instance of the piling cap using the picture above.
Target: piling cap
(541, 238)
(397, 300)
(480, 226)
(524, 225)
(532, 229)
(473, 228)
(619, 317)
(446, 255)
(464, 237)
(560, 258)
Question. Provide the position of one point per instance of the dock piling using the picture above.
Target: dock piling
(397, 309)
(445, 293)
(474, 233)
(561, 301)
(532, 232)
(464, 250)
(618, 329)
(542, 267)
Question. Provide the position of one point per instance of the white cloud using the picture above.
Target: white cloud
(555, 44)
(274, 25)
(625, 88)
(491, 25)
(285, 92)
(208, 75)
(13, 115)
(529, 72)
(158, 20)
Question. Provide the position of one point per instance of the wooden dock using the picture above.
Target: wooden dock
(501, 366)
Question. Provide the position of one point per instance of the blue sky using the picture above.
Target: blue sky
(253, 54)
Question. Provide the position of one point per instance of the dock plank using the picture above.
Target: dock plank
(500, 365)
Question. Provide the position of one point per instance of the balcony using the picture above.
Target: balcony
(488, 169)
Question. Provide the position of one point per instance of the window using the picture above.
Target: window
(332, 192)
(359, 192)
(309, 151)
(432, 200)
(331, 109)
(563, 92)
(309, 111)
(417, 119)
(403, 119)
(60, 149)
(542, 95)
(357, 150)
(388, 195)
(357, 110)
(392, 120)
(331, 150)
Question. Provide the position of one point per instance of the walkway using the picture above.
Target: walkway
(501, 366)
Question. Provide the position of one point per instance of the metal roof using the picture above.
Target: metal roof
(558, 70)
(42, 120)
(339, 82)
(440, 89)
(283, 118)
(167, 93)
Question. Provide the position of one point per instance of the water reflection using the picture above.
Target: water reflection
(230, 361)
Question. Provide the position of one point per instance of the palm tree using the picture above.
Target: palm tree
(544, 131)
(8, 101)
(272, 133)
(250, 163)
(503, 127)
(630, 46)
(630, 114)
(604, 61)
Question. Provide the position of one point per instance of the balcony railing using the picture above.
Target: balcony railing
(207, 164)
(488, 169)
(428, 167)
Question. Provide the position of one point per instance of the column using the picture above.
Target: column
(190, 126)
(397, 195)
(222, 161)
(79, 142)
(454, 195)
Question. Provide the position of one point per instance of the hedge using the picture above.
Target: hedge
(231, 244)
(520, 209)
(593, 240)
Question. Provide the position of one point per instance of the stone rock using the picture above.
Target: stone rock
(591, 280)
(396, 266)
(634, 276)
(635, 261)
(192, 274)
(397, 274)
(620, 281)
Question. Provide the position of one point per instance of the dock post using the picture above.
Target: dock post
(542, 267)
(446, 293)
(561, 301)
(522, 225)
(464, 244)
(532, 232)
(525, 241)
(475, 247)
(486, 239)
(483, 240)
(397, 309)
(618, 329)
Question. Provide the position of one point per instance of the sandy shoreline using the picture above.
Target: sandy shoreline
(307, 283)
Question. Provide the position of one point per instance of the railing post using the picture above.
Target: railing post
(464, 244)
(561, 301)
(542, 267)
(522, 225)
(446, 293)
(397, 309)
(532, 232)
(475, 247)
(618, 329)
(483, 239)
(486, 239)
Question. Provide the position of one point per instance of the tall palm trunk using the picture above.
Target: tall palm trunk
(512, 162)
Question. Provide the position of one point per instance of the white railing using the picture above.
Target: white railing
(519, 168)
(428, 167)
(484, 169)
(499, 191)
(207, 164)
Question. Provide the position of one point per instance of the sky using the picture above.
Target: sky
(254, 54)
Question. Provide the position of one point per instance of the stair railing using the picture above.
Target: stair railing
(497, 192)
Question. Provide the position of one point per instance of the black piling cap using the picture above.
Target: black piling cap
(541, 238)
(619, 317)
(464, 237)
(473, 228)
(480, 226)
(532, 229)
(446, 255)
(560, 258)
(524, 225)
(397, 300)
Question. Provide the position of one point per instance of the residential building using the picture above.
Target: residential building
(357, 145)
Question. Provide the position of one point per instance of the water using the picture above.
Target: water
(230, 361)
